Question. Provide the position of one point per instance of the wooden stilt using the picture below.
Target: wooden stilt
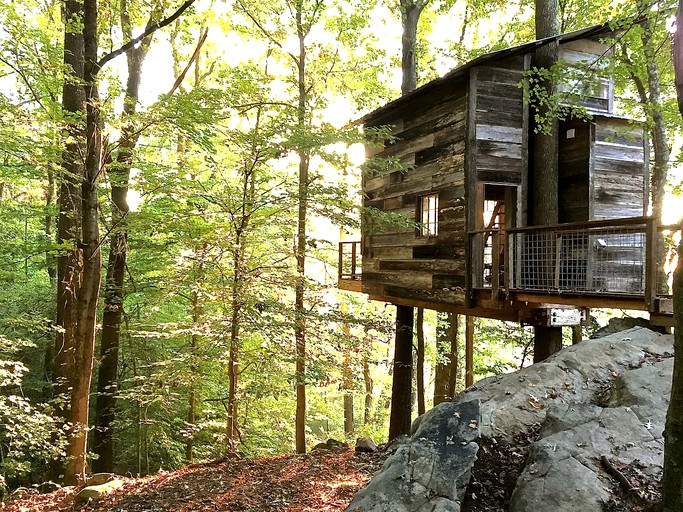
(469, 351)
(401, 389)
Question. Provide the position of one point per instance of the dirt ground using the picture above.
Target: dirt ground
(321, 481)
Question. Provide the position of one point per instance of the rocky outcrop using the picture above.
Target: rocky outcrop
(601, 406)
(430, 470)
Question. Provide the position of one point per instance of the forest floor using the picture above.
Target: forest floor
(323, 481)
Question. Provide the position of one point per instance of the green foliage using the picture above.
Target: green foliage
(29, 434)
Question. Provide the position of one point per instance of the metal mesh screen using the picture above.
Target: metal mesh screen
(604, 260)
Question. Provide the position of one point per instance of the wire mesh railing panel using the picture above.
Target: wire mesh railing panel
(604, 260)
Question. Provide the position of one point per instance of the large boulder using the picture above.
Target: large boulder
(430, 470)
(600, 405)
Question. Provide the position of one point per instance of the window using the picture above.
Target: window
(428, 214)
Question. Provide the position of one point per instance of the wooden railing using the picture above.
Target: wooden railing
(349, 267)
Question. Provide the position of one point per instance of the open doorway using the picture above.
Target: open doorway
(497, 206)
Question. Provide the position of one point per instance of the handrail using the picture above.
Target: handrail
(354, 256)
(591, 224)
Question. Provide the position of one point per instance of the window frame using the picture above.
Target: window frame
(428, 204)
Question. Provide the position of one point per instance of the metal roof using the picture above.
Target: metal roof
(483, 59)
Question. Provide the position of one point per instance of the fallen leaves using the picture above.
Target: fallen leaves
(322, 481)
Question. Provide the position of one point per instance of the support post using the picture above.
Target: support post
(401, 389)
(547, 341)
(469, 351)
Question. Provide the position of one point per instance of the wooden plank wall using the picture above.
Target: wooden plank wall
(574, 164)
(619, 170)
(618, 189)
(500, 153)
(397, 262)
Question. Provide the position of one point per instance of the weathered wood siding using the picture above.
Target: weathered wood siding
(573, 170)
(619, 173)
(397, 261)
(498, 152)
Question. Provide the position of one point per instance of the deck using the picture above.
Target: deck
(619, 263)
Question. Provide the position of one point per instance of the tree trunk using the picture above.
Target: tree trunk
(420, 376)
(672, 480)
(410, 16)
(119, 176)
(399, 420)
(545, 172)
(234, 352)
(367, 379)
(445, 373)
(78, 267)
(299, 291)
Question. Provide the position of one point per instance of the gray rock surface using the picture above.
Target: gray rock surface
(604, 397)
(430, 470)
(564, 468)
(578, 374)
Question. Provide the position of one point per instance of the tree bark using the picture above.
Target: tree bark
(445, 373)
(399, 419)
(299, 290)
(367, 379)
(79, 266)
(119, 176)
(545, 172)
(420, 362)
(410, 17)
(672, 480)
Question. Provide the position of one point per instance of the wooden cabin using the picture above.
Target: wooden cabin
(450, 229)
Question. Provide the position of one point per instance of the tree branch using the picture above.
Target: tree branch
(151, 28)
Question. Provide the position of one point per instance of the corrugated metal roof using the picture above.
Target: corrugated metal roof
(483, 59)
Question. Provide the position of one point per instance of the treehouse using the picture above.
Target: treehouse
(467, 243)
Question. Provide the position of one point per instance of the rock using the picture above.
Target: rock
(566, 485)
(564, 466)
(429, 471)
(646, 391)
(93, 492)
(320, 446)
(603, 397)
(365, 445)
(515, 402)
(616, 325)
(100, 478)
(330, 444)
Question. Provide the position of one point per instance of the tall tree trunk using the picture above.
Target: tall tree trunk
(399, 419)
(410, 17)
(197, 312)
(672, 480)
(420, 362)
(78, 267)
(401, 388)
(234, 352)
(299, 291)
(547, 340)
(119, 176)
(446, 369)
(367, 379)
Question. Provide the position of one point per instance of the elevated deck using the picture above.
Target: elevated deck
(598, 264)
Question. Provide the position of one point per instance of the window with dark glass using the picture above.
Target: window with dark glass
(428, 213)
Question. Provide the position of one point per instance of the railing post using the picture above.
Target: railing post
(651, 264)
(353, 259)
(495, 265)
(340, 270)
